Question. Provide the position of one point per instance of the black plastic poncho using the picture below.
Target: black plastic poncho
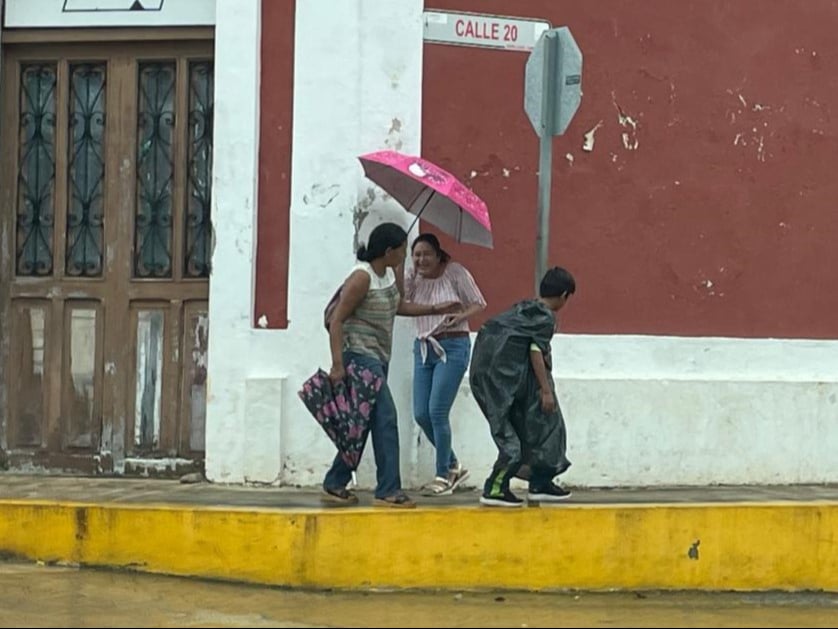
(504, 385)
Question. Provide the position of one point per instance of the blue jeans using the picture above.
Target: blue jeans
(435, 386)
(385, 438)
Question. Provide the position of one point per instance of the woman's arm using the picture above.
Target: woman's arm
(469, 294)
(409, 309)
(354, 290)
(471, 310)
(401, 280)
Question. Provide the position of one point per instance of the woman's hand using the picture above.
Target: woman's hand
(447, 307)
(451, 320)
(337, 373)
(548, 401)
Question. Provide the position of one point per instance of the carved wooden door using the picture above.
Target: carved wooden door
(105, 243)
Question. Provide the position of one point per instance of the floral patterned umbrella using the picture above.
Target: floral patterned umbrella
(344, 409)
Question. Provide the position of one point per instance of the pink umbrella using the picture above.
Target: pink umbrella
(433, 193)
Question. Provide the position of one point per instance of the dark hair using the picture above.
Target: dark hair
(556, 283)
(385, 236)
(433, 241)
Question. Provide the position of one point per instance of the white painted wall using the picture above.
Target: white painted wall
(645, 410)
(357, 84)
(235, 170)
(640, 410)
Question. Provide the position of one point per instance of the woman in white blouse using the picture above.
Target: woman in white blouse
(441, 351)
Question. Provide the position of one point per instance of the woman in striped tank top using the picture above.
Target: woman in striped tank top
(361, 331)
(441, 351)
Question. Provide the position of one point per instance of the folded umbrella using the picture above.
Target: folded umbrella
(344, 409)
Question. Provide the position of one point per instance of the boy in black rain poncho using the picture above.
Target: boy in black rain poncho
(511, 381)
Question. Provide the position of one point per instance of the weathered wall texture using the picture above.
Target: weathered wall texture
(693, 201)
(694, 193)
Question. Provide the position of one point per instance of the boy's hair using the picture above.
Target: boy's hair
(557, 282)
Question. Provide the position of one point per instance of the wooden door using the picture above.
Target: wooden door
(105, 243)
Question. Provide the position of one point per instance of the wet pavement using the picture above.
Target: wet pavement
(48, 596)
(121, 490)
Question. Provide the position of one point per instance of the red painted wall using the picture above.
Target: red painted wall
(276, 105)
(723, 221)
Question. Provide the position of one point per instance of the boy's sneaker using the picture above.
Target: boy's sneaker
(507, 499)
(550, 493)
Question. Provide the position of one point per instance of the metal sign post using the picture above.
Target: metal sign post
(552, 94)
(552, 54)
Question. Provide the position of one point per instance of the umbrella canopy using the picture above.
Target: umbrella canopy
(426, 190)
(344, 409)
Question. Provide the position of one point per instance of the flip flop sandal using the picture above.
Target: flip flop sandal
(399, 501)
(339, 496)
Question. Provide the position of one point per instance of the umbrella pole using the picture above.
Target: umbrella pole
(419, 213)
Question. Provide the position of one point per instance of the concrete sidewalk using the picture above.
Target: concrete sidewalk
(134, 490)
(712, 538)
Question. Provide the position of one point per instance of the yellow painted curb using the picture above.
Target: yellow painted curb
(718, 546)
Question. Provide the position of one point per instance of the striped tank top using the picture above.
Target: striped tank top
(369, 330)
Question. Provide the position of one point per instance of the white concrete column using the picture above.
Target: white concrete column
(357, 88)
(235, 177)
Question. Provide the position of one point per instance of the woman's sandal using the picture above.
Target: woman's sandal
(438, 487)
(339, 496)
(399, 501)
(456, 475)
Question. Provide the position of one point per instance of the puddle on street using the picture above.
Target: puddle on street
(33, 595)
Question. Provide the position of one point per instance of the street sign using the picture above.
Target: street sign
(552, 94)
(553, 82)
(485, 31)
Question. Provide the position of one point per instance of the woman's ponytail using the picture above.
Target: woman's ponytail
(363, 254)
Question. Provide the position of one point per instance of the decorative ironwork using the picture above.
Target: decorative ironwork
(198, 230)
(36, 174)
(86, 209)
(155, 170)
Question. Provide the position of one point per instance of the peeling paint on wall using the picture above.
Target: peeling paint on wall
(359, 215)
(321, 195)
(755, 116)
(394, 140)
(629, 137)
(588, 143)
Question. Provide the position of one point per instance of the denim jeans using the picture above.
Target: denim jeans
(385, 438)
(435, 386)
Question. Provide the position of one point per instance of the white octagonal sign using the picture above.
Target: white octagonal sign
(558, 88)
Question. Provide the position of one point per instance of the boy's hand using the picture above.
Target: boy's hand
(548, 401)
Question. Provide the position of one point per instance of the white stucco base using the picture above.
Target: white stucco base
(640, 410)
(676, 411)
(644, 411)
